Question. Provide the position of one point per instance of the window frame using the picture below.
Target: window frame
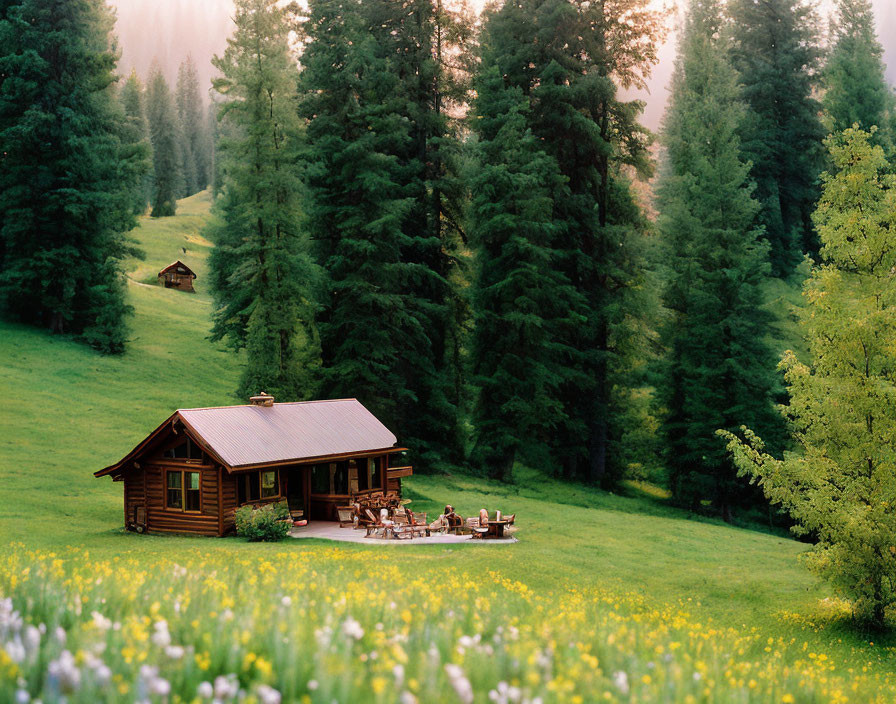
(183, 490)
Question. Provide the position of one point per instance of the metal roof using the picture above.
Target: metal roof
(178, 263)
(250, 435)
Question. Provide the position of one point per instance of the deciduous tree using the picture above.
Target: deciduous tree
(841, 486)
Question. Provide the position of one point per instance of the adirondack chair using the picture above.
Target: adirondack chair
(416, 525)
(376, 524)
(476, 527)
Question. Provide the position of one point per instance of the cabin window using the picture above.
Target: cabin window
(187, 450)
(363, 475)
(340, 478)
(269, 486)
(331, 478)
(258, 485)
(183, 492)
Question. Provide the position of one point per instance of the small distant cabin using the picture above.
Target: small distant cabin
(177, 275)
(193, 471)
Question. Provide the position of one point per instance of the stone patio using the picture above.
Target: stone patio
(331, 531)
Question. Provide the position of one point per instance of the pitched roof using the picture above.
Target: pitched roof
(181, 269)
(244, 436)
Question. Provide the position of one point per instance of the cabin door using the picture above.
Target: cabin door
(297, 490)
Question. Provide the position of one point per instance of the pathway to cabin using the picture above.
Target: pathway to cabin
(331, 531)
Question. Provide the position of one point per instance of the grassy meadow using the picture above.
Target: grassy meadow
(606, 597)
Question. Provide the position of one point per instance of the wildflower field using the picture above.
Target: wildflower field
(329, 624)
(605, 598)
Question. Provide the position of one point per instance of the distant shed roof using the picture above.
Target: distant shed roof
(178, 267)
(244, 436)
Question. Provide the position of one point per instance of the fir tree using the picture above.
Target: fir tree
(856, 90)
(557, 52)
(64, 200)
(260, 266)
(775, 50)
(389, 80)
(520, 294)
(163, 130)
(719, 372)
(840, 487)
(190, 113)
(136, 144)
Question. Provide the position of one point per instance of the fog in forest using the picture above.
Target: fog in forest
(168, 30)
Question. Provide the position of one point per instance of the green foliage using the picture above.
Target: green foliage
(194, 143)
(261, 271)
(775, 50)
(554, 53)
(719, 370)
(856, 89)
(267, 524)
(65, 177)
(136, 146)
(521, 296)
(382, 211)
(841, 487)
(164, 135)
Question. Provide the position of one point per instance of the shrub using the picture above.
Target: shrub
(266, 524)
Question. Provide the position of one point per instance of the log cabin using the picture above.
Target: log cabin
(193, 471)
(177, 275)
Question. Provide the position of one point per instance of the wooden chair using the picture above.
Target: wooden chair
(369, 520)
(475, 527)
(455, 523)
(416, 524)
(345, 515)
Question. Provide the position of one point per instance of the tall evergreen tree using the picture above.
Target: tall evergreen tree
(570, 59)
(163, 130)
(719, 372)
(190, 113)
(840, 487)
(775, 50)
(521, 296)
(373, 77)
(260, 266)
(856, 89)
(64, 199)
(136, 143)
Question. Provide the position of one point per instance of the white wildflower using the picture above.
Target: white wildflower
(352, 628)
(31, 640)
(64, 673)
(459, 683)
(22, 696)
(620, 679)
(312, 685)
(205, 690)
(175, 652)
(226, 687)
(100, 621)
(286, 601)
(161, 637)
(398, 673)
(407, 698)
(267, 694)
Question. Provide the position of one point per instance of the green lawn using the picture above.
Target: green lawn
(67, 412)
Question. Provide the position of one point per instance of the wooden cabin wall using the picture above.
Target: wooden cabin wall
(229, 501)
(134, 495)
(160, 519)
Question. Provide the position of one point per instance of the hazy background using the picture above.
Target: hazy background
(168, 30)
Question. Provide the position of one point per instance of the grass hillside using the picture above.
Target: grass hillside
(686, 610)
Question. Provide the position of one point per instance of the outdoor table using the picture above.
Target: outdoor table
(496, 528)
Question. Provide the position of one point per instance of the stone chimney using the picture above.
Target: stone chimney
(262, 399)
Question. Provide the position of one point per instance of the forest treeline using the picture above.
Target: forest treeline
(444, 216)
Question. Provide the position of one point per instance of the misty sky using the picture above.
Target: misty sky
(168, 30)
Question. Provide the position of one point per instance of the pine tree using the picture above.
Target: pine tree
(191, 125)
(163, 130)
(520, 294)
(775, 50)
(557, 53)
(840, 487)
(136, 143)
(856, 89)
(719, 372)
(64, 198)
(388, 81)
(261, 271)
(369, 332)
